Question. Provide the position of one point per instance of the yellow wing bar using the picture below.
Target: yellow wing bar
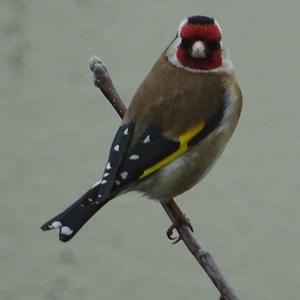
(183, 139)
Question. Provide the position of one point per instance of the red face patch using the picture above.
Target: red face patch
(204, 32)
(212, 62)
(207, 33)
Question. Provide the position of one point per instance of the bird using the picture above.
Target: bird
(176, 126)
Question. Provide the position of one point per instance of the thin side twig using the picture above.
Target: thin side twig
(103, 81)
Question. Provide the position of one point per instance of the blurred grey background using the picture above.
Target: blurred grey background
(56, 129)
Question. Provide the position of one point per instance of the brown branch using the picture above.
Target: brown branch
(103, 81)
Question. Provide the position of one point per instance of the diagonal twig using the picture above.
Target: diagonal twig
(103, 81)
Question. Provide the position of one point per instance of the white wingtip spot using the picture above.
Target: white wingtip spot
(134, 157)
(147, 139)
(117, 182)
(99, 196)
(90, 200)
(56, 224)
(117, 148)
(126, 131)
(124, 175)
(105, 175)
(65, 230)
(103, 181)
(108, 166)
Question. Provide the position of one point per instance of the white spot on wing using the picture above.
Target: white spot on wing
(126, 131)
(105, 175)
(103, 181)
(108, 166)
(147, 139)
(134, 157)
(56, 224)
(124, 175)
(117, 182)
(117, 148)
(65, 230)
(90, 200)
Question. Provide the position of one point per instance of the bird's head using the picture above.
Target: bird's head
(197, 45)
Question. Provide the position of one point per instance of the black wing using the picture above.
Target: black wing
(126, 166)
(122, 168)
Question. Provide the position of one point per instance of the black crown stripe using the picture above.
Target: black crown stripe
(200, 20)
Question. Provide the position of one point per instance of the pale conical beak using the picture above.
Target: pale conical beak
(198, 50)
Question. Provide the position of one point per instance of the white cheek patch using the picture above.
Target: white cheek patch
(171, 52)
(182, 23)
(219, 27)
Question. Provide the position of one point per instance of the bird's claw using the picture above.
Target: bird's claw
(169, 233)
(184, 221)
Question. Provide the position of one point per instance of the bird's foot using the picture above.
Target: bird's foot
(181, 220)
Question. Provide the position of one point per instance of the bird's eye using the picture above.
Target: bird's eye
(214, 46)
(185, 44)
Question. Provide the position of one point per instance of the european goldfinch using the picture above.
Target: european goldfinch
(177, 125)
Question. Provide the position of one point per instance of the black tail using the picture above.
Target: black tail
(76, 215)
